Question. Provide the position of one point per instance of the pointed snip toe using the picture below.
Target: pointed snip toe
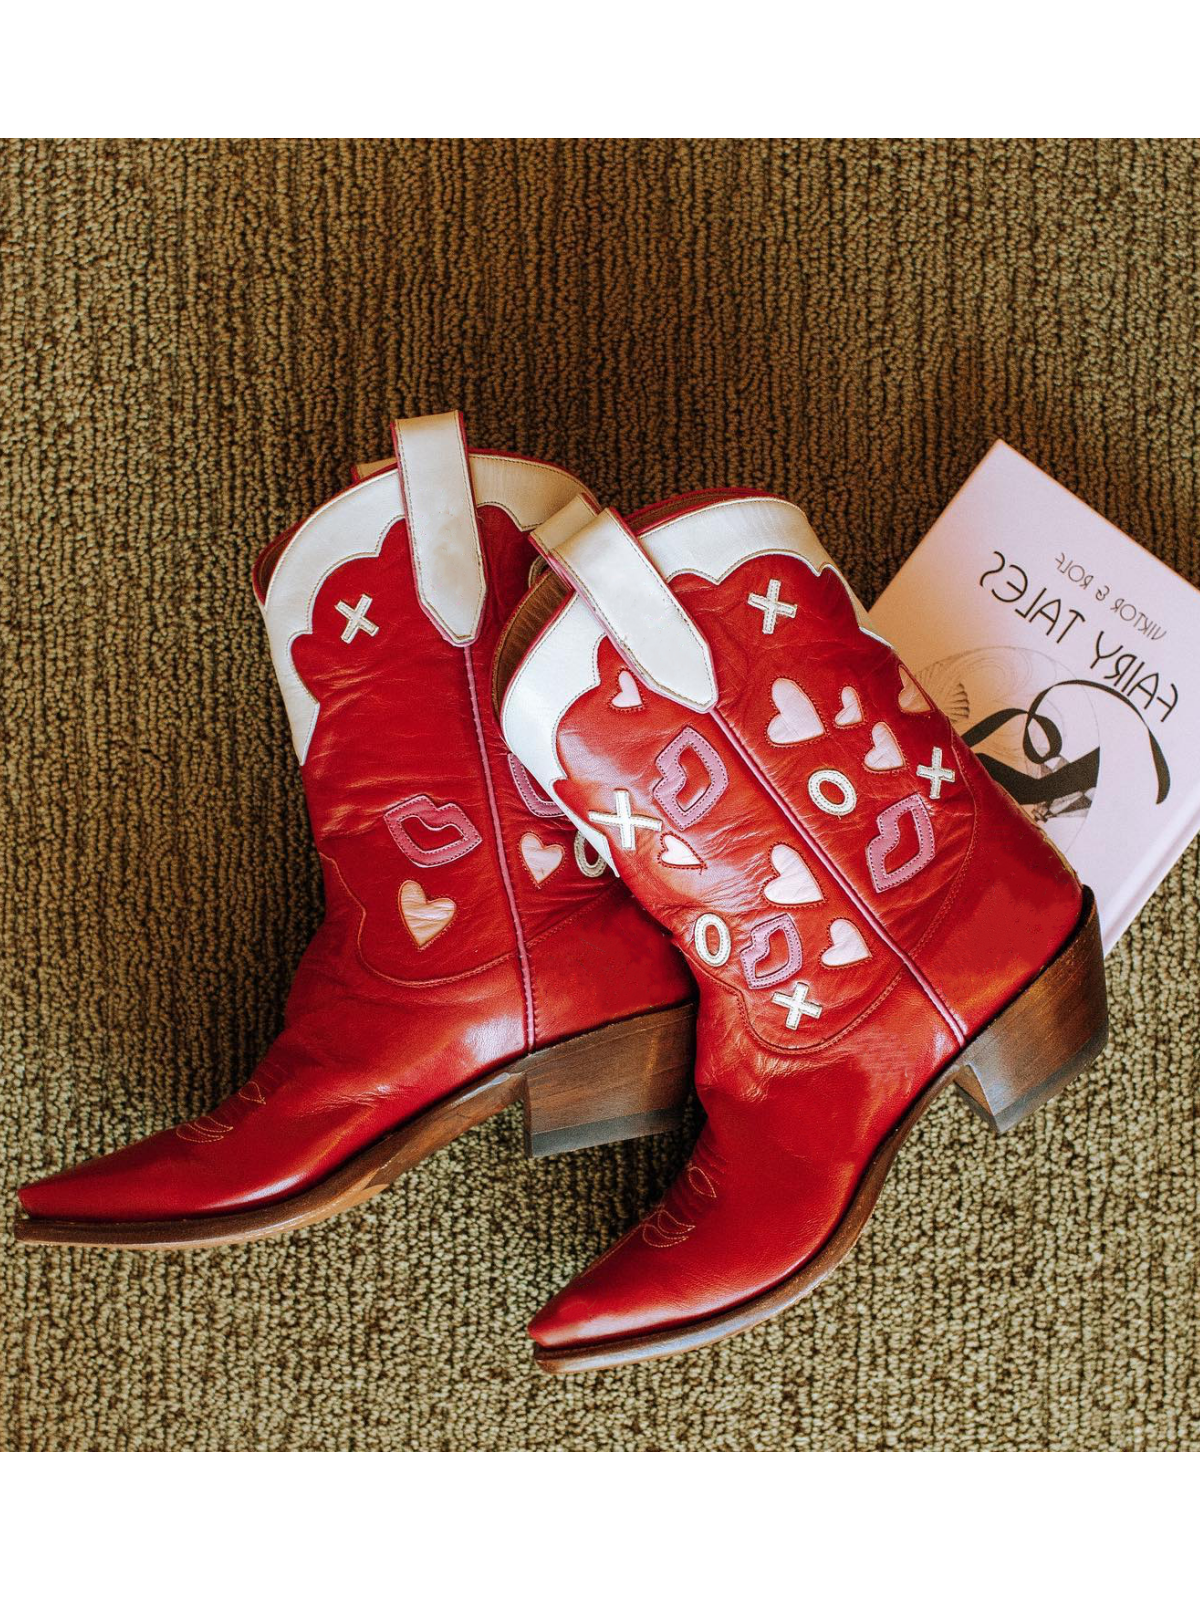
(172, 1191)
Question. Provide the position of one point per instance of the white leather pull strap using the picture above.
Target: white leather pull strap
(604, 562)
(442, 527)
(571, 519)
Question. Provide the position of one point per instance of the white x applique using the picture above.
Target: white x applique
(357, 620)
(936, 773)
(797, 1004)
(771, 606)
(625, 820)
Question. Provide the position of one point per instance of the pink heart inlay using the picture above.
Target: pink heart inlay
(884, 754)
(851, 712)
(797, 719)
(540, 859)
(793, 884)
(847, 946)
(676, 853)
(912, 700)
(424, 918)
(628, 696)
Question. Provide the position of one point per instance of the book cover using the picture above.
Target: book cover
(1068, 658)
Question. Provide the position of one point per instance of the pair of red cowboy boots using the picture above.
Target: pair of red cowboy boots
(693, 700)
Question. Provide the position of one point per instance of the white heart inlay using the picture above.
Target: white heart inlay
(848, 945)
(797, 719)
(851, 711)
(675, 853)
(911, 698)
(794, 884)
(628, 696)
(884, 754)
(424, 918)
(540, 859)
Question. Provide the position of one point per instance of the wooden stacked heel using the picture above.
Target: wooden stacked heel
(1045, 1037)
(619, 1082)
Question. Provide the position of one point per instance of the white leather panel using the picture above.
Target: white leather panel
(561, 666)
(715, 540)
(354, 524)
(643, 618)
(530, 491)
(442, 528)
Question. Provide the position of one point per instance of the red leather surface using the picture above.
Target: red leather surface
(794, 1115)
(377, 1026)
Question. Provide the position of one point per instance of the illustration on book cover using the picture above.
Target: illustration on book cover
(1014, 614)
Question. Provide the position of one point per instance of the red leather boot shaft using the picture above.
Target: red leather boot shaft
(462, 928)
(855, 895)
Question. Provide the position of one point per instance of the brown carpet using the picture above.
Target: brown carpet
(195, 340)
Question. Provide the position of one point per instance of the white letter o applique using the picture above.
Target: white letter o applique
(828, 777)
(589, 862)
(708, 925)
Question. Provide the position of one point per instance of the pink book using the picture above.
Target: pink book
(1068, 658)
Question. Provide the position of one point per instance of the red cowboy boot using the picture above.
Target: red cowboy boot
(475, 950)
(869, 916)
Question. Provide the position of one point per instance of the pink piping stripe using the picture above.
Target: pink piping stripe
(931, 994)
(522, 953)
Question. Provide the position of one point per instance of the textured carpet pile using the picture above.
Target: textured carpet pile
(195, 340)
